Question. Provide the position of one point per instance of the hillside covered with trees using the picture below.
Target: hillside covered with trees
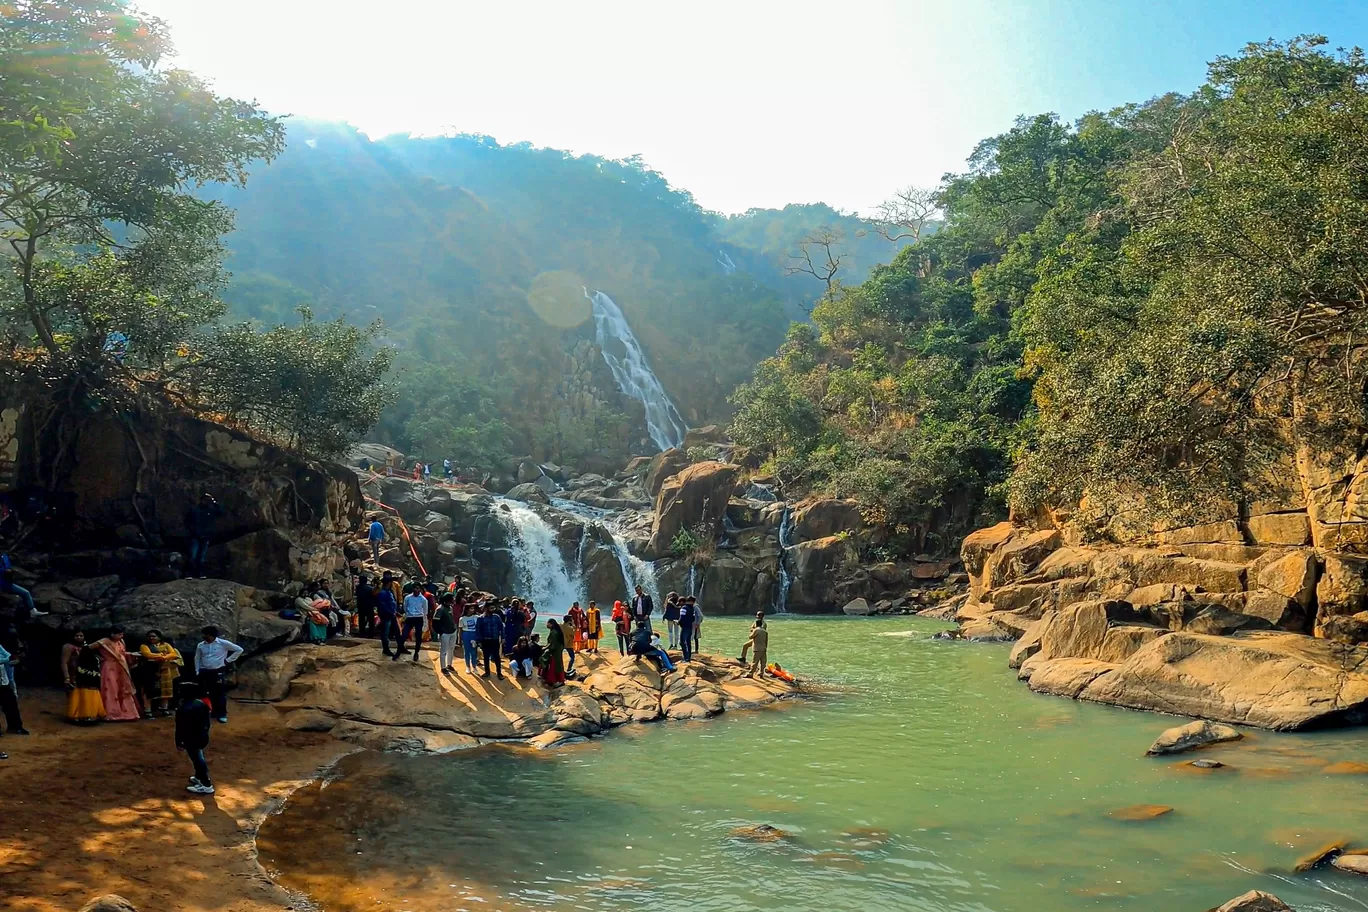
(1145, 312)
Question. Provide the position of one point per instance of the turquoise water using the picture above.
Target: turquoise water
(932, 780)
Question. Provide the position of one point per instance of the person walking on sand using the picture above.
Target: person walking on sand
(671, 614)
(116, 679)
(444, 627)
(687, 619)
(415, 613)
(213, 655)
(759, 641)
(375, 536)
(489, 631)
(192, 736)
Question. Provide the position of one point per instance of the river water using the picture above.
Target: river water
(930, 781)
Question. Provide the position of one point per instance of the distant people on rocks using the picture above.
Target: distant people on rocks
(758, 641)
(671, 614)
(427, 473)
(9, 587)
(415, 613)
(642, 606)
(688, 617)
(376, 535)
(622, 626)
(213, 655)
(489, 631)
(203, 517)
(84, 704)
(116, 678)
(192, 736)
(160, 666)
(447, 470)
(553, 659)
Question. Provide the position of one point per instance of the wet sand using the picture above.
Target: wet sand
(87, 811)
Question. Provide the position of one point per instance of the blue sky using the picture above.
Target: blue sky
(745, 103)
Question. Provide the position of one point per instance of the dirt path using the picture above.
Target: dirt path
(86, 811)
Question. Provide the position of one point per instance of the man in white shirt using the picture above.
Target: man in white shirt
(213, 655)
(415, 612)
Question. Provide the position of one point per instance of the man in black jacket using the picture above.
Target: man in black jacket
(642, 606)
(192, 736)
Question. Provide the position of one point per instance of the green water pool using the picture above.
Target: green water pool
(930, 780)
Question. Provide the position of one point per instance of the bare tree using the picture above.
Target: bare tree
(906, 215)
(818, 256)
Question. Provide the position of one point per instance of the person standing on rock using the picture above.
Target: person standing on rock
(470, 640)
(201, 523)
(444, 627)
(213, 655)
(687, 619)
(375, 536)
(642, 607)
(759, 640)
(387, 611)
(446, 469)
(622, 626)
(553, 659)
(415, 613)
(427, 473)
(489, 631)
(9, 699)
(671, 614)
(593, 630)
(192, 736)
(365, 607)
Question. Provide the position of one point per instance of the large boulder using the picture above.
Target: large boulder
(529, 492)
(180, 609)
(1343, 588)
(699, 436)
(817, 570)
(978, 546)
(818, 517)
(1192, 736)
(694, 499)
(664, 465)
(1273, 680)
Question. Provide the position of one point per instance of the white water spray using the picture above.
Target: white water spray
(632, 374)
(540, 569)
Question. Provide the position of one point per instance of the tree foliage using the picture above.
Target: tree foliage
(113, 266)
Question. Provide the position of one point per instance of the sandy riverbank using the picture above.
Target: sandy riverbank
(86, 811)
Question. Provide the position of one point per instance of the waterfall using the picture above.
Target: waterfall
(540, 570)
(632, 374)
(785, 543)
(635, 571)
(728, 267)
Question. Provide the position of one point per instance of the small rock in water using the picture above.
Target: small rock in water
(1255, 901)
(1206, 764)
(1347, 768)
(1192, 736)
(110, 902)
(761, 833)
(1354, 864)
(1140, 812)
(1320, 856)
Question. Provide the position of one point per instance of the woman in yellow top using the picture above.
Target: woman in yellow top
(593, 630)
(163, 664)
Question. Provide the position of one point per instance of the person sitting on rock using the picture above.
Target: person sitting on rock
(759, 639)
(520, 658)
(646, 644)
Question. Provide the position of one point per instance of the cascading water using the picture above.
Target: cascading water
(540, 569)
(631, 372)
(728, 267)
(635, 571)
(785, 543)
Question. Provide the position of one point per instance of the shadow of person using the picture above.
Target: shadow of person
(214, 822)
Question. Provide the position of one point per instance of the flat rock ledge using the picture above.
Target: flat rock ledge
(353, 691)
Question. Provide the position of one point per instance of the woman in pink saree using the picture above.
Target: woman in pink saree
(116, 683)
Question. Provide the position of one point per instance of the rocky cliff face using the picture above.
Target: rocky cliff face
(100, 511)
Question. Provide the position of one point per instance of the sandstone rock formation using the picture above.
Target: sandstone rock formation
(1254, 901)
(352, 690)
(695, 498)
(1192, 736)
